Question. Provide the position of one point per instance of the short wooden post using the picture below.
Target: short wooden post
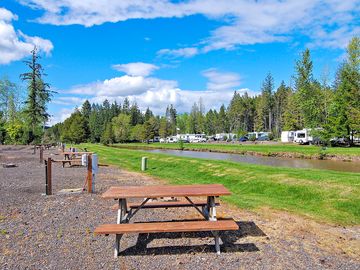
(89, 173)
(144, 163)
(41, 155)
(48, 177)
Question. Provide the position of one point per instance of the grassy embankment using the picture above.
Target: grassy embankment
(289, 150)
(328, 196)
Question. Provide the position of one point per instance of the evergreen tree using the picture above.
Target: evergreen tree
(126, 106)
(308, 95)
(344, 118)
(86, 109)
(38, 93)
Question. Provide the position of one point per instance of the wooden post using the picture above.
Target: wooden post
(144, 163)
(48, 177)
(41, 155)
(89, 173)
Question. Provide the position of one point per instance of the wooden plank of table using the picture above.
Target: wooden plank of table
(159, 227)
(123, 192)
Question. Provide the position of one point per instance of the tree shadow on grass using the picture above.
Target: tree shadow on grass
(229, 239)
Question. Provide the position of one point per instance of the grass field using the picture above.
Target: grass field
(329, 196)
(265, 149)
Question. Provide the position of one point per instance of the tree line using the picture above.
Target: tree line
(332, 110)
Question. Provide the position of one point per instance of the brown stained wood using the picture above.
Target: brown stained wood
(49, 176)
(159, 227)
(123, 192)
(163, 204)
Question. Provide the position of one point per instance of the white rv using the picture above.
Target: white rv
(303, 136)
(195, 138)
(172, 139)
(287, 136)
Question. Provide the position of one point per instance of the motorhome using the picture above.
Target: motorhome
(287, 136)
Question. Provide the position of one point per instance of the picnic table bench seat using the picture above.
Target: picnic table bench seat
(161, 227)
(168, 227)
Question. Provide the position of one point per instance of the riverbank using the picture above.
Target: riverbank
(322, 195)
(260, 149)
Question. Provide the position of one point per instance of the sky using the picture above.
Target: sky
(163, 52)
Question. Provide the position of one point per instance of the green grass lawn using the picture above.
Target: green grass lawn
(266, 149)
(328, 196)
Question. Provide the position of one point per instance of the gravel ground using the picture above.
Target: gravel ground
(55, 232)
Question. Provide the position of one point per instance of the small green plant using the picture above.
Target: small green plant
(3, 232)
(59, 233)
(181, 145)
(322, 153)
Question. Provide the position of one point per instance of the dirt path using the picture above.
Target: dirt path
(55, 232)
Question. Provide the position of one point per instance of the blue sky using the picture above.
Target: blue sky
(161, 52)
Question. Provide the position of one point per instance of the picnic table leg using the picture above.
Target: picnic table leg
(212, 217)
(120, 219)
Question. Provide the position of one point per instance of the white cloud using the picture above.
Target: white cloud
(93, 12)
(60, 116)
(157, 93)
(136, 68)
(123, 86)
(15, 45)
(68, 100)
(221, 81)
(183, 52)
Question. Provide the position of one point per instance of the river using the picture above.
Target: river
(270, 161)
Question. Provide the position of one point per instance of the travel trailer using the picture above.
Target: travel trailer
(287, 136)
(303, 136)
(193, 138)
(172, 139)
(221, 136)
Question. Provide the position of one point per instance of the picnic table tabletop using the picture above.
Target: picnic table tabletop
(156, 191)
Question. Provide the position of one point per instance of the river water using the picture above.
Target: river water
(270, 161)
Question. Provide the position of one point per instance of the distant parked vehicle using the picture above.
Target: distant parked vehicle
(243, 139)
(287, 136)
(162, 140)
(263, 138)
(172, 139)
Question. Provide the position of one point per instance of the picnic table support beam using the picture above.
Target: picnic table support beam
(120, 219)
(212, 217)
(48, 176)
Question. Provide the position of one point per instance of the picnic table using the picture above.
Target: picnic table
(126, 211)
(72, 157)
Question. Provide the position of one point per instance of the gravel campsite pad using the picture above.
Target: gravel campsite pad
(56, 232)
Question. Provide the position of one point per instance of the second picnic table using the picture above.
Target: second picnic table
(127, 210)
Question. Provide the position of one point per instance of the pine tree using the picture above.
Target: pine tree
(38, 93)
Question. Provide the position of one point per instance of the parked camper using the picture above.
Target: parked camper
(196, 138)
(303, 136)
(287, 136)
(172, 139)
